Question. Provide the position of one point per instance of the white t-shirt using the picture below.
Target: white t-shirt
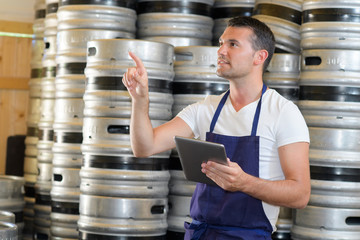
(280, 123)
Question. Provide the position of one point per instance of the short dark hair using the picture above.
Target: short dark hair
(263, 37)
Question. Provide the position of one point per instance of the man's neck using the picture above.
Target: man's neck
(244, 94)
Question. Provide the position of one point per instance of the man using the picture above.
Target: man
(265, 137)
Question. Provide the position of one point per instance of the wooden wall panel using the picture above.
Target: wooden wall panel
(13, 116)
(15, 57)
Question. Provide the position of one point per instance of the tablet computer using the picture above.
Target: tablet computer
(193, 153)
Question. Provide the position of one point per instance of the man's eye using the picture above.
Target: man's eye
(232, 44)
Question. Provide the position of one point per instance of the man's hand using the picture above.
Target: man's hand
(229, 177)
(136, 79)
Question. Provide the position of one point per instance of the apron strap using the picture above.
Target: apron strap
(222, 103)
(257, 113)
(218, 110)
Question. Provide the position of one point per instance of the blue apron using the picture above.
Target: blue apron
(219, 214)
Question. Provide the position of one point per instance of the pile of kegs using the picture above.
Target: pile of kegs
(11, 207)
(180, 23)
(121, 195)
(284, 19)
(33, 117)
(329, 101)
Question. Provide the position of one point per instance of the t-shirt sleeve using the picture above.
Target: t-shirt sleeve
(291, 126)
(188, 114)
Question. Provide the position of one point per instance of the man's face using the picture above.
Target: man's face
(235, 54)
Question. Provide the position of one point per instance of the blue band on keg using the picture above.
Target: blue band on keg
(68, 137)
(126, 163)
(115, 3)
(330, 93)
(278, 11)
(49, 72)
(65, 207)
(36, 73)
(184, 7)
(228, 12)
(52, 8)
(91, 236)
(331, 15)
(46, 135)
(42, 199)
(335, 174)
(204, 88)
(29, 191)
(40, 14)
(32, 132)
(115, 83)
(70, 68)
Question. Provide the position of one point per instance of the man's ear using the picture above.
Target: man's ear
(260, 56)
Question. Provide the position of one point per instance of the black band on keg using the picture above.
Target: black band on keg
(115, 83)
(228, 12)
(68, 137)
(330, 93)
(32, 132)
(49, 72)
(46, 135)
(335, 174)
(126, 163)
(42, 199)
(90, 236)
(331, 15)
(115, 3)
(65, 207)
(40, 14)
(36, 73)
(281, 235)
(279, 50)
(70, 68)
(118, 129)
(288, 93)
(29, 191)
(174, 163)
(175, 235)
(185, 7)
(205, 88)
(52, 8)
(19, 216)
(274, 10)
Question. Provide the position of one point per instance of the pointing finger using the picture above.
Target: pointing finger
(139, 64)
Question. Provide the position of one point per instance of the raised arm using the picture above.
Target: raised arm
(293, 192)
(145, 140)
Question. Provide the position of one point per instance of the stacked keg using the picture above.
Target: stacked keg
(329, 101)
(123, 196)
(195, 78)
(223, 10)
(78, 23)
(177, 22)
(284, 19)
(283, 75)
(31, 140)
(45, 142)
(8, 229)
(11, 200)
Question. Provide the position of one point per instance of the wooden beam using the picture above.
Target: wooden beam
(14, 83)
(16, 27)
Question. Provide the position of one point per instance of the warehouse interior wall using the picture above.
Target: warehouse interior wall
(16, 19)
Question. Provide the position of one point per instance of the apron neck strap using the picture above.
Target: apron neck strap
(222, 103)
(257, 113)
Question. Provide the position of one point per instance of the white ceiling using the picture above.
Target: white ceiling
(17, 10)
